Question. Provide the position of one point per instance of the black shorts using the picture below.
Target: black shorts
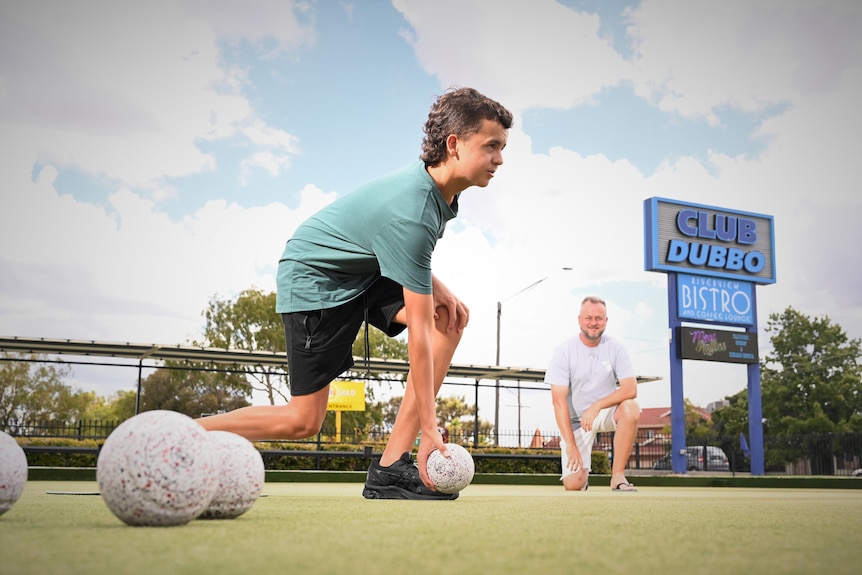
(320, 342)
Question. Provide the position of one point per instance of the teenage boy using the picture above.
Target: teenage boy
(367, 258)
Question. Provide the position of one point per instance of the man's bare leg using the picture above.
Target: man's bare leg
(301, 418)
(627, 416)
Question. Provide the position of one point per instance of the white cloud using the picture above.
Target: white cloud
(526, 54)
(276, 148)
(127, 271)
(695, 56)
(562, 209)
(130, 94)
(271, 163)
(260, 21)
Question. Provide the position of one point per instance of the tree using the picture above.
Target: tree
(193, 392)
(811, 380)
(381, 346)
(810, 390)
(728, 422)
(250, 322)
(459, 418)
(117, 407)
(697, 429)
(32, 391)
(732, 418)
(389, 410)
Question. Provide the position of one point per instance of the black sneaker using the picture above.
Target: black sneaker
(399, 481)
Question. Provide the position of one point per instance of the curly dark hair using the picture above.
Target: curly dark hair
(458, 111)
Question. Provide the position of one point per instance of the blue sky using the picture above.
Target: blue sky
(155, 156)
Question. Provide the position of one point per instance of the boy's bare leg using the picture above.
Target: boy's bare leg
(627, 415)
(299, 419)
(406, 426)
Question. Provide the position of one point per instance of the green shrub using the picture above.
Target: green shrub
(311, 461)
(600, 462)
(59, 459)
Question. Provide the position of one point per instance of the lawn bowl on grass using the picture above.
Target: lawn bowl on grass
(158, 468)
(451, 474)
(241, 476)
(13, 472)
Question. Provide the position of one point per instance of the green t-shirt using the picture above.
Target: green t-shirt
(387, 227)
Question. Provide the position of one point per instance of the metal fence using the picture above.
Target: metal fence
(813, 454)
(83, 429)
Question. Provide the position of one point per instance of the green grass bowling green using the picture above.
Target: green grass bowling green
(60, 527)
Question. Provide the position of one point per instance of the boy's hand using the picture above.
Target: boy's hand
(428, 443)
(459, 315)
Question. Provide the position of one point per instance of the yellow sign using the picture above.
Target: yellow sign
(346, 396)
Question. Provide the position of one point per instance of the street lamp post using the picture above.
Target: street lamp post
(497, 386)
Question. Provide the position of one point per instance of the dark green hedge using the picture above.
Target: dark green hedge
(60, 459)
(327, 463)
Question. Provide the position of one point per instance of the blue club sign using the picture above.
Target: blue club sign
(713, 258)
(711, 241)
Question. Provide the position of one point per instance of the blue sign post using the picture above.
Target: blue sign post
(679, 460)
(755, 410)
(713, 257)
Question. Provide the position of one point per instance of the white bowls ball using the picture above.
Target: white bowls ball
(452, 474)
(241, 478)
(158, 468)
(13, 472)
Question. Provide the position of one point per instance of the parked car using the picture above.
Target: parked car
(716, 459)
(663, 463)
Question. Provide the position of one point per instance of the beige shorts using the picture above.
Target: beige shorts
(584, 439)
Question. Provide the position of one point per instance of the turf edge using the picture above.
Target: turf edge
(287, 476)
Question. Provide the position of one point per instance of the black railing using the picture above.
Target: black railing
(82, 429)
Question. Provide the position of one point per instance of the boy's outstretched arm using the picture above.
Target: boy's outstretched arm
(419, 309)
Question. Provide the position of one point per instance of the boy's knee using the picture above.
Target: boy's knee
(442, 325)
(307, 429)
(298, 425)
